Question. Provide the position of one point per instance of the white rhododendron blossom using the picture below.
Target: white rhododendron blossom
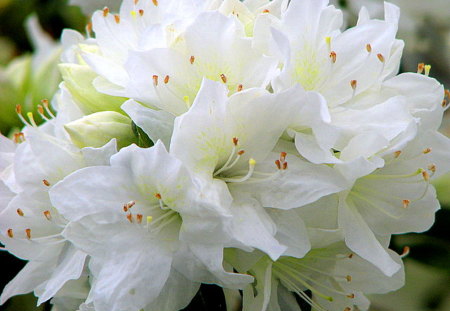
(256, 145)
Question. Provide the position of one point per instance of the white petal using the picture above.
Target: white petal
(360, 239)
(157, 124)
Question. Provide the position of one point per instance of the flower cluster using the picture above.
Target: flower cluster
(253, 145)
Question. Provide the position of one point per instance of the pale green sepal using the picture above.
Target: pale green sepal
(78, 80)
(99, 128)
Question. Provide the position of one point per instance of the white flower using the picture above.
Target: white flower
(140, 26)
(337, 279)
(170, 78)
(145, 223)
(229, 141)
(30, 226)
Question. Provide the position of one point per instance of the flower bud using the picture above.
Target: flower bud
(99, 128)
(78, 80)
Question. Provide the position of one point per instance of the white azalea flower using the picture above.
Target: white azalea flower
(30, 226)
(170, 78)
(140, 26)
(149, 203)
(219, 138)
(336, 277)
(394, 199)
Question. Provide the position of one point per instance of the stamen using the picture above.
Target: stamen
(10, 233)
(46, 183)
(278, 164)
(328, 42)
(117, 18)
(31, 118)
(133, 13)
(266, 11)
(155, 2)
(444, 103)
(19, 137)
(351, 296)
(348, 309)
(223, 78)
(426, 150)
(425, 175)
(149, 219)
(294, 274)
(20, 212)
(368, 48)
(136, 2)
(406, 251)
(139, 218)
(235, 141)
(251, 164)
(406, 203)
(192, 59)
(141, 12)
(48, 215)
(105, 11)
(128, 206)
(381, 57)
(427, 70)
(350, 256)
(130, 217)
(420, 68)
(89, 28)
(45, 103)
(187, 101)
(397, 154)
(333, 56)
(158, 196)
(28, 233)
(239, 87)
(354, 84)
(155, 80)
(166, 79)
(432, 168)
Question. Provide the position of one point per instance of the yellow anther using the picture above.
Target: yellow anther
(187, 100)
(427, 70)
(426, 150)
(328, 41)
(149, 219)
(133, 13)
(31, 118)
(252, 162)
